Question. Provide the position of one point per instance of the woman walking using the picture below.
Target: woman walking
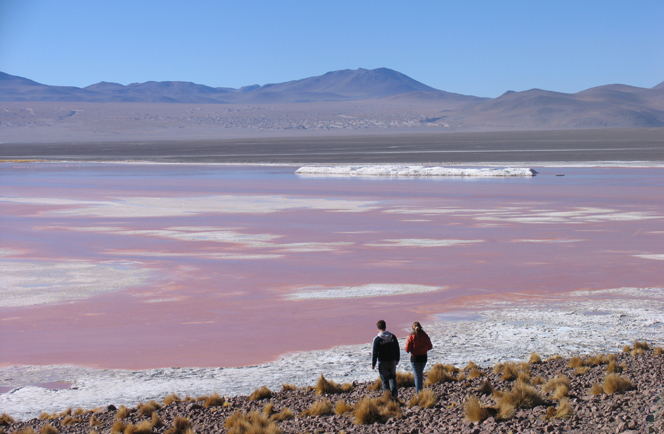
(418, 345)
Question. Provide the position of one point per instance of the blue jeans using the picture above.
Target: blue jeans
(388, 376)
(418, 371)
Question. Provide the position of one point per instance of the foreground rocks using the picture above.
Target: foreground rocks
(640, 410)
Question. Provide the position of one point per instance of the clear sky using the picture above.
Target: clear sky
(472, 47)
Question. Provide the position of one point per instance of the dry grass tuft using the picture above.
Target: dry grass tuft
(575, 362)
(94, 421)
(564, 409)
(376, 385)
(148, 409)
(24, 430)
(438, 374)
(252, 423)
(596, 389)
(425, 399)
(405, 379)
(44, 415)
(181, 425)
(523, 378)
(371, 410)
(70, 420)
(537, 381)
(485, 388)
(284, 414)
(642, 345)
(327, 387)
(461, 377)
(521, 396)
(658, 351)
(554, 357)
(614, 383)
(474, 411)
(262, 393)
(214, 400)
(144, 427)
(268, 410)
(49, 429)
(319, 408)
(118, 427)
(122, 413)
(67, 412)
(553, 383)
(342, 407)
(6, 420)
(534, 359)
(79, 411)
(581, 371)
(170, 399)
(613, 367)
(475, 373)
(288, 387)
(470, 366)
(626, 349)
(561, 392)
(156, 420)
(510, 370)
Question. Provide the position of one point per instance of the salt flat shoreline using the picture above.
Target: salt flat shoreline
(585, 322)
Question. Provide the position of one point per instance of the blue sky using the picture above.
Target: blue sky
(472, 47)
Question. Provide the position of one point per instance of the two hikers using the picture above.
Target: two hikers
(385, 352)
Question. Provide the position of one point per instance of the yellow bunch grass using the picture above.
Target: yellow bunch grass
(156, 420)
(405, 379)
(471, 365)
(626, 349)
(288, 387)
(69, 420)
(554, 357)
(553, 383)
(642, 345)
(614, 383)
(148, 409)
(613, 367)
(94, 421)
(596, 389)
(181, 425)
(575, 362)
(426, 398)
(261, 393)
(268, 410)
(581, 371)
(521, 396)
(24, 430)
(67, 412)
(6, 419)
(122, 413)
(214, 400)
(171, 398)
(460, 377)
(252, 423)
(537, 381)
(144, 427)
(371, 410)
(534, 359)
(118, 427)
(485, 388)
(342, 407)
(438, 374)
(474, 411)
(475, 373)
(327, 387)
(319, 408)
(284, 414)
(44, 415)
(49, 429)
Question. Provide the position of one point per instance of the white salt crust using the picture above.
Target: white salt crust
(361, 291)
(584, 322)
(400, 170)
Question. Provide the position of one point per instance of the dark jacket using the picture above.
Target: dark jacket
(385, 348)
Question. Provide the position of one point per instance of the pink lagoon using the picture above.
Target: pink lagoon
(139, 266)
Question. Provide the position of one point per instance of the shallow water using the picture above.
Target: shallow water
(138, 266)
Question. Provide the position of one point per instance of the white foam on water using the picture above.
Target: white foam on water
(421, 242)
(655, 256)
(27, 282)
(499, 331)
(361, 291)
(416, 171)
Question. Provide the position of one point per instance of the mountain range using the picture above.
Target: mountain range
(389, 100)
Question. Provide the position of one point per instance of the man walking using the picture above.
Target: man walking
(386, 352)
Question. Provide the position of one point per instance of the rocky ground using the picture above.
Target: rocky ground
(638, 410)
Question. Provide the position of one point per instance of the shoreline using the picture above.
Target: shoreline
(586, 322)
